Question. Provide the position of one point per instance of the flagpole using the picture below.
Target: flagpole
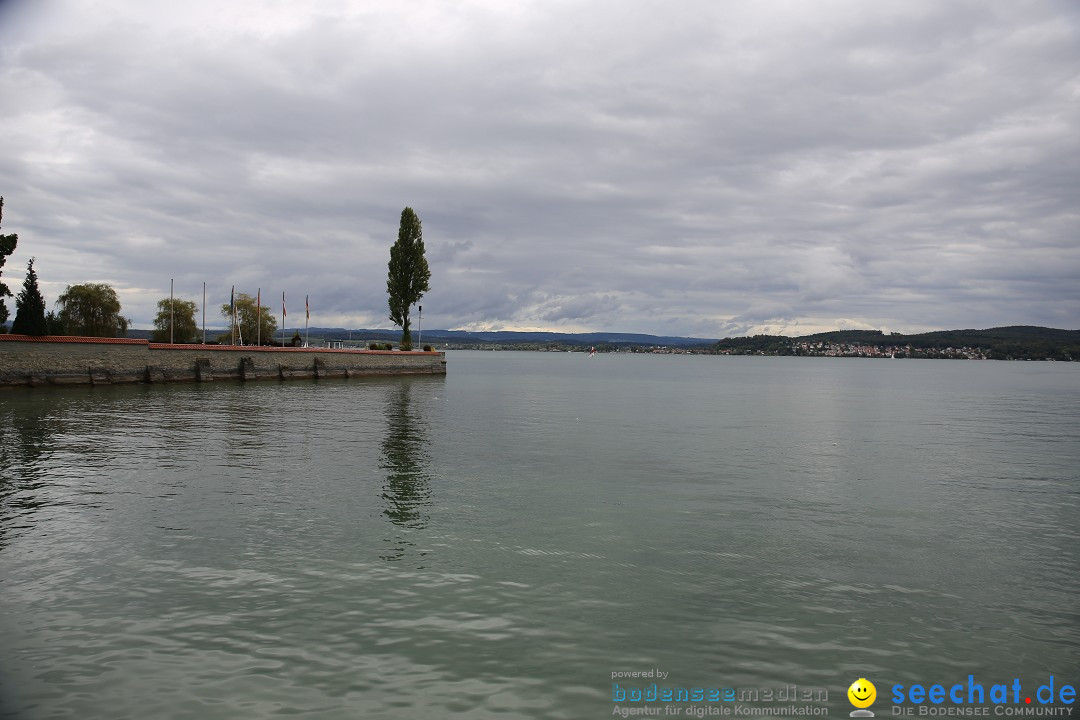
(282, 318)
(232, 302)
(307, 318)
(236, 319)
(172, 336)
(419, 324)
(258, 315)
(204, 312)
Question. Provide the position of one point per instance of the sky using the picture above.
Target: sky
(702, 168)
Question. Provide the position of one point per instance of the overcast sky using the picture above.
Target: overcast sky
(701, 167)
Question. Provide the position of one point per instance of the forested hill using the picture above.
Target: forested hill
(952, 338)
(1014, 342)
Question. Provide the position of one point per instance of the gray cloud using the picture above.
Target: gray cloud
(712, 169)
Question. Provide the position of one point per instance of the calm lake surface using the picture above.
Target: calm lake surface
(498, 542)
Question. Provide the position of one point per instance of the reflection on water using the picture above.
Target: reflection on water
(405, 460)
(23, 440)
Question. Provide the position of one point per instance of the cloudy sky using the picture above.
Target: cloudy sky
(701, 167)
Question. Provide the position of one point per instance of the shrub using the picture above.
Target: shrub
(427, 348)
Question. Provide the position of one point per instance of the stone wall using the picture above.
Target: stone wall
(102, 361)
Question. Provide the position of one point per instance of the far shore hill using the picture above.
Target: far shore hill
(1018, 342)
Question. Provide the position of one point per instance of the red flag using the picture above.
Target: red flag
(283, 313)
(307, 308)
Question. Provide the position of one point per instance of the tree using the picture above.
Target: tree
(408, 275)
(250, 321)
(92, 309)
(53, 324)
(7, 246)
(30, 306)
(175, 323)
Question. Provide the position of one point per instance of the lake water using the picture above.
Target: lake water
(499, 542)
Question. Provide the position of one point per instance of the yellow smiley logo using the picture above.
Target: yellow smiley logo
(862, 693)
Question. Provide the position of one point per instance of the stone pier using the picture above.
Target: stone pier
(65, 360)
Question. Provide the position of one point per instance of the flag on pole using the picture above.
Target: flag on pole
(283, 313)
(258, 317)
(307, 308)
(232, 307)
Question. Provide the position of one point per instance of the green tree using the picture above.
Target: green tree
(250, 320)
(30, 306)
(91, 309)
(184, 329)
(408, 275)
(53, 324)
(7, 246)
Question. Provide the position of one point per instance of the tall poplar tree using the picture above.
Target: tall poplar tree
(30, 306)
(7, 246)
(408, 275)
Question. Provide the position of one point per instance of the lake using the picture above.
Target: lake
(502, 541)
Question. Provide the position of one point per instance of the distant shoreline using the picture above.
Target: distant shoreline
(1004, 343)
(957, 354)
(1021, 342)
